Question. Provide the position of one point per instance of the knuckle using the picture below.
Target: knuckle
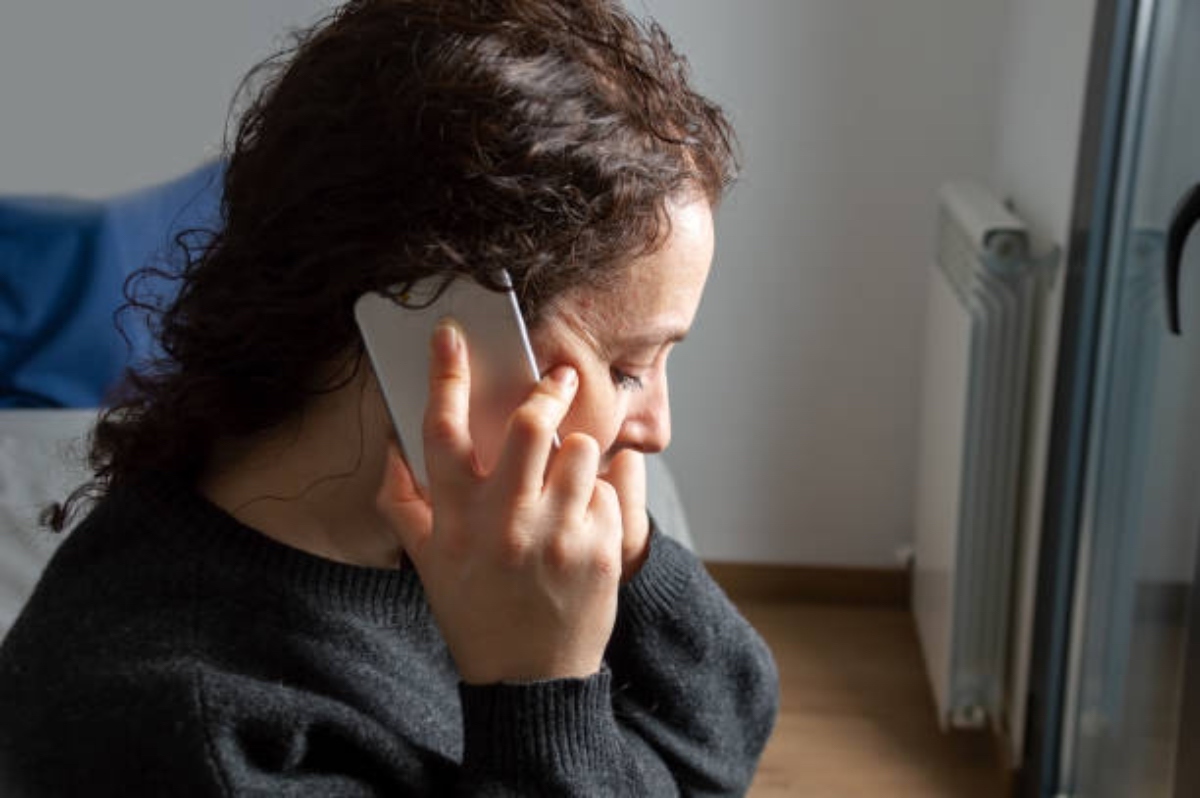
(448, 379)
(440, 428)
(582, 445)
(512, 551)
(559, 556)
(551, 389)
(606, 563)
(530, 422)
(548, 403)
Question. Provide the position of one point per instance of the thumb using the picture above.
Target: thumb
(406, 511)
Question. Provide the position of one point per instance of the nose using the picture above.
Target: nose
(647, 426)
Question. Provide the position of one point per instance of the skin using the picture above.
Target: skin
(520, 564)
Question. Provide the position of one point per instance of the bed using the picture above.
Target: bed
(63, 266)
(40, 463)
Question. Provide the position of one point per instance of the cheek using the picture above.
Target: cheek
(598, 411)
(599, 408)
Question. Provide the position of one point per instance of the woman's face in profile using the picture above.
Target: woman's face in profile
(618, 339)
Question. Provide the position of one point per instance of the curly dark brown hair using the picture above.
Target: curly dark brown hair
(393, 141)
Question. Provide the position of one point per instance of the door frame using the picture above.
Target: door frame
(1083, 300)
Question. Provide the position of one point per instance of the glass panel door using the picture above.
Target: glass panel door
(1141, 516)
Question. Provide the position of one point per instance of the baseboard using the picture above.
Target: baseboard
(879, 587)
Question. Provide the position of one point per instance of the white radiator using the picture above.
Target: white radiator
(982, 297)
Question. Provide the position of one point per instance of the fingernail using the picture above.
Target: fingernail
(445, 338)
(565, 376)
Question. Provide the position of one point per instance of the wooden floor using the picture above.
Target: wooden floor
(856, 715)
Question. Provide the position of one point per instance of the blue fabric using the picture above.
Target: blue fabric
(63, 266)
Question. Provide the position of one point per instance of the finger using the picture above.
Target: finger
(571, 477)
(447, 415)
(604, 511)
(404, 508)
(627, 473)
(531, 433)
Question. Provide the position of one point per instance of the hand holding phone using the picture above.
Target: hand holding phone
(397, 331)
(521, 565)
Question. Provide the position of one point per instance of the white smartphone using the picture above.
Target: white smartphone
(397, 337)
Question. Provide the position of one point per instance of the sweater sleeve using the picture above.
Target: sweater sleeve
(551, 738)
(692, 680)
(684, 705)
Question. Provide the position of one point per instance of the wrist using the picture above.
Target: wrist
(530, 672)
(663, 579)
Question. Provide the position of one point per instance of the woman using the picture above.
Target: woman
(261, 602)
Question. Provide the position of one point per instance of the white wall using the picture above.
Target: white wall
(1044, 79)
(101, 97)
(795, 398)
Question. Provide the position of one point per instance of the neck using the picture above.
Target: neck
(310, 483)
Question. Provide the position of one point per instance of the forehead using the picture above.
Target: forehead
(656, 296)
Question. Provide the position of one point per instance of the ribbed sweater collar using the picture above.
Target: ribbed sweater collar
(195, 527)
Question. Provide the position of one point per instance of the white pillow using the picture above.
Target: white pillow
(42, 459)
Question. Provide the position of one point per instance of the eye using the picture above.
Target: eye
(625, 381)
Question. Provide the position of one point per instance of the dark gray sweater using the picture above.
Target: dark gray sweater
(170, 650)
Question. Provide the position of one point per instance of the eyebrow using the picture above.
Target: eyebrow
(655, 337)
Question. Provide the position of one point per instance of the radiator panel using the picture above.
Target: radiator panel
(982, 298)
(940, 470)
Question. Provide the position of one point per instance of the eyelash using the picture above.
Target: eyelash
(626, 382)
